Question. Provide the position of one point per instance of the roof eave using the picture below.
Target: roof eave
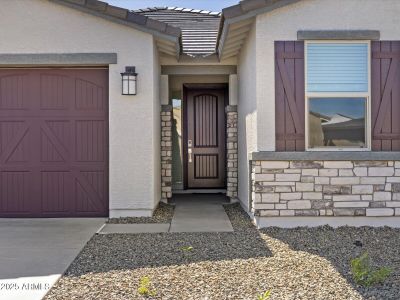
(125, 17)
(244, 11)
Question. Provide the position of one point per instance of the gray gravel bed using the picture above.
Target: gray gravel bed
(162, 214)
(240, 220)
(294, 264)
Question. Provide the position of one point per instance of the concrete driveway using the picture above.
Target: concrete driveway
(34, 253)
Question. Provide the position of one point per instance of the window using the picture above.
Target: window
(337, 95)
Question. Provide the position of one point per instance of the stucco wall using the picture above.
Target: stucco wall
(247, 114)
(157, 127)
(283, 24)
(38, 26)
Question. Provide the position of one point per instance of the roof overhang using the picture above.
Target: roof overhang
(237, 21)
(167, 37)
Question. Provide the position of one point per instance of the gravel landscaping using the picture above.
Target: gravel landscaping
(162, 214)
(294, 264)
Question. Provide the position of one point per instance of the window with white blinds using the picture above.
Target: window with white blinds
(337, 95)
(337, 67)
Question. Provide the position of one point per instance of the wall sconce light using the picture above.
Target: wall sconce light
(129, 81)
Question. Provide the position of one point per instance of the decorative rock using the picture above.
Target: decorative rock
(362, 189)
(345, 180)
(304, 187)
(287, 177)
(346, 197)
(338, 165)
(379, 212)
(370, 163)
(378, 204)
(307, 213)
(321, 180)
(336, 190)
(360, 171)
(328, 172)
(381, 171)
(263, 206)
(275, 164)
(396, 187)
(306, 164)
(309, 172)
(283, 189)
(307, 179)
(343, 212)
(346, 172)
(372, 180)
(264, 177)
(290, 196)
(269, 213)
(312, 195)
(299, 204)
(321, 204)
(270, 198)
(351, 204)
(286, 213)
(382, 196)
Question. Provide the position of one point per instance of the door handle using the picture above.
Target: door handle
(190, 144)
(190, 154)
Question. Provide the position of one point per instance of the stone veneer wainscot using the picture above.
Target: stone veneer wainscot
(325, 188)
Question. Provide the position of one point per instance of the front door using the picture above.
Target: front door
(205, 138)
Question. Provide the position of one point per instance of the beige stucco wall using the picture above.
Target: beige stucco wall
(156, 127)
(247, 112)
(283, 24)
(38, 26)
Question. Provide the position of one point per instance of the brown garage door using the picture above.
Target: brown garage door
(53, 142)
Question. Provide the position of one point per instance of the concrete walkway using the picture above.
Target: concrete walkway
(193, 213)
(200, 213)
(34, 253)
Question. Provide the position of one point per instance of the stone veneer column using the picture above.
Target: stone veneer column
(232, 151)
(166, 152)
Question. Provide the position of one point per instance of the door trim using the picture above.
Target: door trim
(186, 88)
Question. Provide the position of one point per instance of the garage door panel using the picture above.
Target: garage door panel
(90, 141)
(15, 142)
(55, 148)
(14, 92)
(56, 187)
(87, 197)
(8, 130)
(49, 152)
(55, 92)
(89, 96)
(15, 188)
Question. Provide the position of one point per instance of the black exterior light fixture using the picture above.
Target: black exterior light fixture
(129, 81)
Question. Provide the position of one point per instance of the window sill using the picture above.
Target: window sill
(325, 155)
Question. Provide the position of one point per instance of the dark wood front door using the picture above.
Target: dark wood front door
(205, 138)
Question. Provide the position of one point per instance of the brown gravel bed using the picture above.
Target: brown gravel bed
(162, 214)
(294, 264)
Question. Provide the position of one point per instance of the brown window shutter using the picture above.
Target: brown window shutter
(385, 95)
(289, 96)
